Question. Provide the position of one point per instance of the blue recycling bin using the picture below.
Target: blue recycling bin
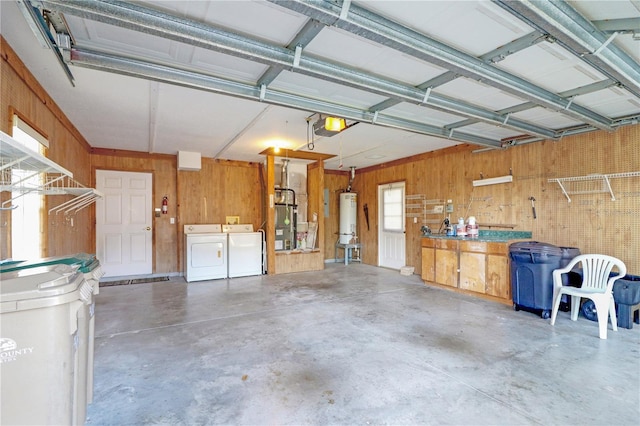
(532, 265)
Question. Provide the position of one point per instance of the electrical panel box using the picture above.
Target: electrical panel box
(190, 161)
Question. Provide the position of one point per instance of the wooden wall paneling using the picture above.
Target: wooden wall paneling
(415, 181)
(451, 169)
(366, 187)
(528, 181)
(21, 93)
(242, 195)
(489, 204)
(167, 236)
(336, 183)
(19, 77)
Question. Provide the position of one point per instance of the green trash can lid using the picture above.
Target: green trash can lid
(39, 287)
(85, 262)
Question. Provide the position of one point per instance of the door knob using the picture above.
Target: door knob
(148, 228)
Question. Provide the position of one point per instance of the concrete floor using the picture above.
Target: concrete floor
(350, 345)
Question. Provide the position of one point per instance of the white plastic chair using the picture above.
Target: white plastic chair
(597, 285)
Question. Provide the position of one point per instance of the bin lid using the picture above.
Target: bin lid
(40, 287)
(86, 262)
(570, 252)
(535, 247)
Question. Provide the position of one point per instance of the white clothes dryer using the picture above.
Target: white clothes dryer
(245, 250)
(205, 252)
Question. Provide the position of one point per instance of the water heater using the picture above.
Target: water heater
(348, 216)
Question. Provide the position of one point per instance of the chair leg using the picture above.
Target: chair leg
(556, 305)
(575, 307)
(602, 310)
(612, 313)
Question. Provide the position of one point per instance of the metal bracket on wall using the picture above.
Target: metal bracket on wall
(44, 177)
(590, 184)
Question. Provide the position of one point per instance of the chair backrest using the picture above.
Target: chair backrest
(596, 271)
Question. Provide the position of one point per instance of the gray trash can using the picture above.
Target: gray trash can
(41, 312)
(89, 266)
(532, 266)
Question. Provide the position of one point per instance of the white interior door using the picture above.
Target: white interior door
(123, 223)
(391, 234)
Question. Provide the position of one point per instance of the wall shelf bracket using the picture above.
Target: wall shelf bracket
(590, 184)
(44, 177)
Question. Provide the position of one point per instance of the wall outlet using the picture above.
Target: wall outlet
(415, 220)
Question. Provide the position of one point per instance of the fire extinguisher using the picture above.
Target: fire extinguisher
(165, 204)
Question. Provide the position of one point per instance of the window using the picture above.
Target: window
(26, 218)
(393, 213)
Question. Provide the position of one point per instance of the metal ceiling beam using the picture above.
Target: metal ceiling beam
(581, 37)
(623, 25)
(379, 29)
(310, 30)
(434, 82)
(151, 21)
(582, 90)
(493, 56)
(195, 80)
(39, 27)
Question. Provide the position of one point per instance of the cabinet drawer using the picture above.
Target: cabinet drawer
(473, 246)
(498, 248)
(428, 242)
(447, 244)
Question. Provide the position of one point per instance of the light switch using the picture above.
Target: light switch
(172, 220)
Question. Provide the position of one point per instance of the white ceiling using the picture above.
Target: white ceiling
(158, 115)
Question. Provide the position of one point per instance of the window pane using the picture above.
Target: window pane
(393, 214)
(393, 223)
(393, 195)
(392, 209)
(26, 227)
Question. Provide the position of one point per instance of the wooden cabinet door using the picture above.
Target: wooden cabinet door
(447, 267)
(428, 264)
(472, 271)
(498, 277)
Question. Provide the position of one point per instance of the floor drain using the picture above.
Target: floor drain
(134, 281)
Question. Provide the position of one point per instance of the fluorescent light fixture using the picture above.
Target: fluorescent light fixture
(493, 181)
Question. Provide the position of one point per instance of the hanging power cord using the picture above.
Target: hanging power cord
(310, 144)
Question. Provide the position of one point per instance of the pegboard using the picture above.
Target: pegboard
(601, 201)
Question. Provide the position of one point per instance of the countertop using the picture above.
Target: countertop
(487, 235)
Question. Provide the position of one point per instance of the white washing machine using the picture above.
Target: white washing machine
(245, 250)
(205, 249)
